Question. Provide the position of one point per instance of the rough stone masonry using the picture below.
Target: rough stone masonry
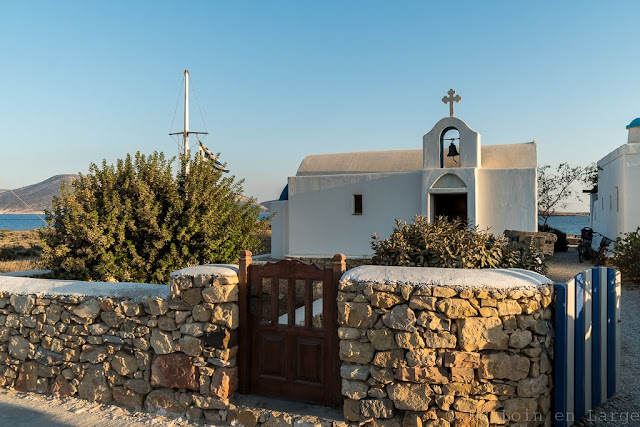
(445, 347)
(142, 347)
(420, 346)
(169, 350)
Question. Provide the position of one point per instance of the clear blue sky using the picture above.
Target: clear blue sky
(278, 80)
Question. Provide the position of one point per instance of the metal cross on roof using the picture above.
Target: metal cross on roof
(451, 99)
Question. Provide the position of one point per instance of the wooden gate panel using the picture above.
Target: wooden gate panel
(273, 364)
(284, 350)
(309, 364)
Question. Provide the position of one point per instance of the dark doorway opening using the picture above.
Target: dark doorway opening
(451, 206)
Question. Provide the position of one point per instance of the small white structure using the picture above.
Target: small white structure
(337, 201)
(615, 208)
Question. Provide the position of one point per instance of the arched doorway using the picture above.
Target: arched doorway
(449, 198)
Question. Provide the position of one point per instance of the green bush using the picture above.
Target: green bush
(137, 221)
(626, 255)
(452, 244)
(562, 244)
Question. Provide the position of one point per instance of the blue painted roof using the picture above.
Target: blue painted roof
(634, 124)
(285, 193)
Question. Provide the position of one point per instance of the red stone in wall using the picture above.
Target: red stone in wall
(27, 377)
(174, 370)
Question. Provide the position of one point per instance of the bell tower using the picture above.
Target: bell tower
(450, 163)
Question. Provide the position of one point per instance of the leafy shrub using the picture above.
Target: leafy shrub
(562, 244)
(451, 244)
(626, 255)
(526, 256)
(137, 221)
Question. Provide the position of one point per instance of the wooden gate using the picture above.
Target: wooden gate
(288, 330)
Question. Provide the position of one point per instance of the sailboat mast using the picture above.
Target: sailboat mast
(186, 114)
(186, 132)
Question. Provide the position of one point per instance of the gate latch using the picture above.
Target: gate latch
(252, 300)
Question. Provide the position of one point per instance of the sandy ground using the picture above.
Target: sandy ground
(26, 409)
(564, 265)
(30, 409)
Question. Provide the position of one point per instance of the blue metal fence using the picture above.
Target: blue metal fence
(587, 345)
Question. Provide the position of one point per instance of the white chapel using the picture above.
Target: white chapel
(335, 202)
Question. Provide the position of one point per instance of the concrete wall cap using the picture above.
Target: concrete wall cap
(49, 288)
(222, 270)
(507, 278)
(26, 273)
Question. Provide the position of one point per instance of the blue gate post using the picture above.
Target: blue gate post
(613, 331)
(579, 348)
(596, 367)
(587, 346)
(560, 362)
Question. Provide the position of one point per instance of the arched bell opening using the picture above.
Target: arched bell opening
(450, 148)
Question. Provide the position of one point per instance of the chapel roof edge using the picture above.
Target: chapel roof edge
(455, 122)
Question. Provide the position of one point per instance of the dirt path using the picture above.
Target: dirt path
(564, 265)
(30, 409)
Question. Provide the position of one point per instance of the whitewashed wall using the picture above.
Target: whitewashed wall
(322, 223)
(279, 228)
(618, 211)
(508, 200)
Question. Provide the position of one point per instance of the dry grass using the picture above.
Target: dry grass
(20, 265)
(19, 238)
(19, 251)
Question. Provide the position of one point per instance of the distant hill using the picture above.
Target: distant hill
(37, 196)
(245, 199)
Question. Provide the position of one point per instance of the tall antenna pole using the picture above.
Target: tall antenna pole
(186, 114)
(186, 132)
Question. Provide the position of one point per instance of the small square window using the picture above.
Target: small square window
(357, 204)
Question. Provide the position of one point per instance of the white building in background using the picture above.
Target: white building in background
(615, 208)
(337, 201)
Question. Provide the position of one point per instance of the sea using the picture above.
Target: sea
(570, 224)
(21, 222)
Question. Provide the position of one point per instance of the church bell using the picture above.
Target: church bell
(453, 151)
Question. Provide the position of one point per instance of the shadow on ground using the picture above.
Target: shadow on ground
(17, 416)
(564, 265)
(289, 406)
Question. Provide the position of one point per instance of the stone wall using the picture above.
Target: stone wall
(445, 347)
(420, 346)
(138, 345)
